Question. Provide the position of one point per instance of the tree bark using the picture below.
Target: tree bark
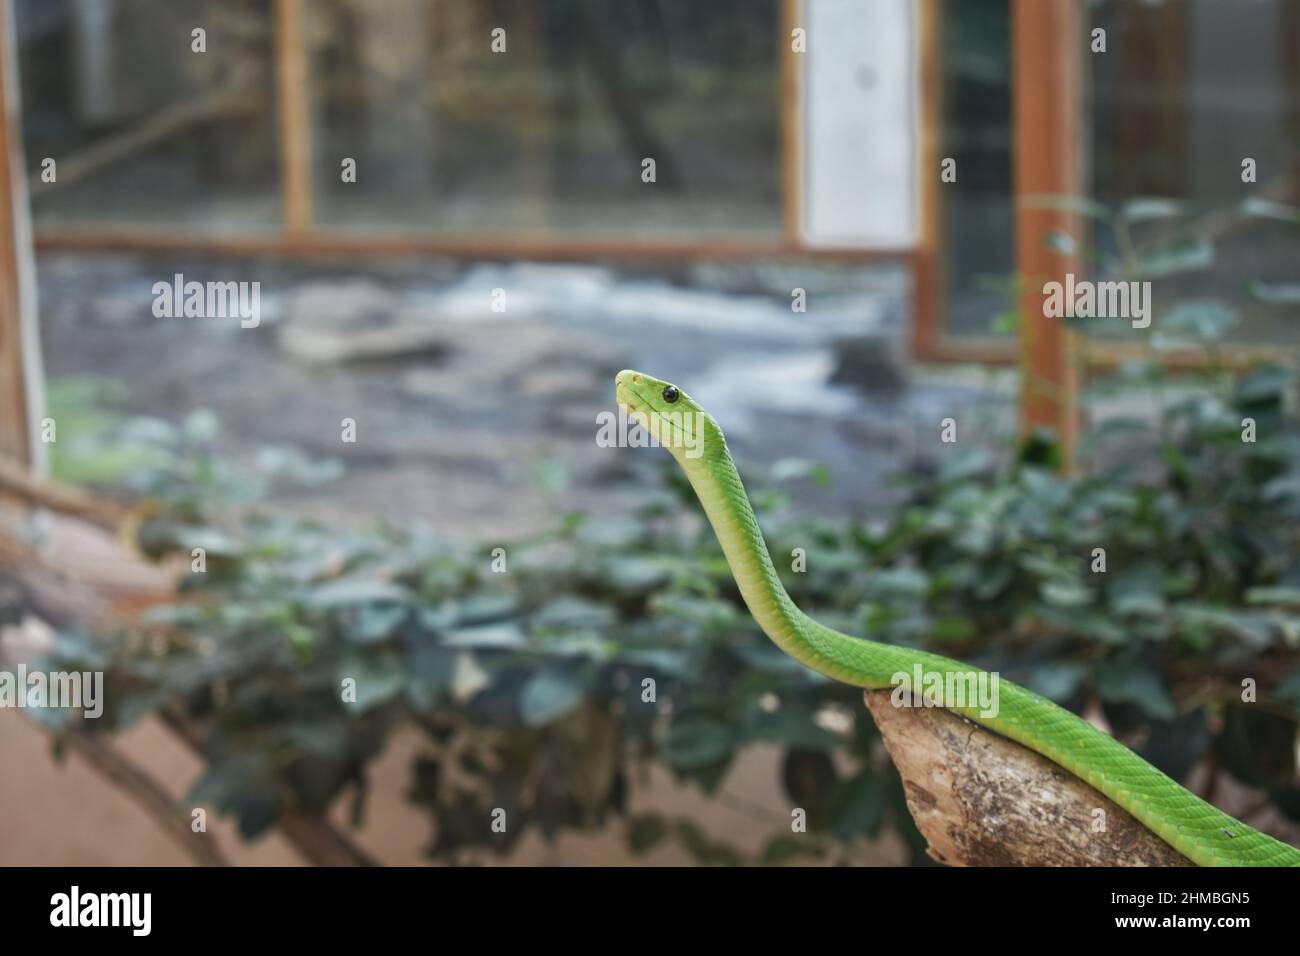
(983, 800)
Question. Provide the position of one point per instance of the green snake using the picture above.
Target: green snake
(1199, 831)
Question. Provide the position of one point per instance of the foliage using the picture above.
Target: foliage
(529, 684)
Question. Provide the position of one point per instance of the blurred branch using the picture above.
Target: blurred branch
(227, 101)
(625, 106)
(148, 793)
(311, 834)
(17, 480)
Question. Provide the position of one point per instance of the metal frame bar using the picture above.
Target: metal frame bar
(791, 125)
(327, 243)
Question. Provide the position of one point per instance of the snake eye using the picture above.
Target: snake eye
(671, 394)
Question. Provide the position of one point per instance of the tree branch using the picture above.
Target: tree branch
(314, 836)
(983, 800)
(137, 784)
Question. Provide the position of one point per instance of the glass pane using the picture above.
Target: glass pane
(977, 226)
(1185, 94)
(548, 136)
(143, 128)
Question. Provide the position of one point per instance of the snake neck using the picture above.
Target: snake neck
(722, 494)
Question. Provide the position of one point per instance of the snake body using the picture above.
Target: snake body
(1193, 827)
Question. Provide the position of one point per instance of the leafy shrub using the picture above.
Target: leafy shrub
(530, 685)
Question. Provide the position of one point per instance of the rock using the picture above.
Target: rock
(868, 362)
(352, 321)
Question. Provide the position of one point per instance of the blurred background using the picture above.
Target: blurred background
(840, 246)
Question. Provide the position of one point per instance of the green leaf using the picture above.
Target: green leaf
(573, 613)
(966, 465)
(426, 781)
(1145, 209)
(1190, 255)
(223, 781)
(1267, 209)
(1005, 323)
(1263, 384)
(431, 671)
(1176, 746)
(351, 592)
(783, 848)
(789, 469)
(661, 660)
(379, 678)
(1252, 627)
(201, 426)
(694, 742)
(257, 811)
(809, 777)
(1138, 590)
(1066, 594)
(1289, 688)
(705, 851)
(1196, 322)
(1088, 622)
(1058, 680)
(646, 831)
(550, 694)
(792, 725)
(322, 738)
(1258, 747)
(858, 805)
(900, 582)
(552, 475)
(488, 637)
(1273, 596)
(1062, 243)
(1079, 205)
(1277, 293)
(375, 622)
(482, 609)
(632, 575)
(1130, 682)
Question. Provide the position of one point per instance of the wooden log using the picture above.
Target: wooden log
(983, 800)
(21, 379)
(1045, 84)
(17, 480)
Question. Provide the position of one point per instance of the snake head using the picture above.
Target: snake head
(669, 415)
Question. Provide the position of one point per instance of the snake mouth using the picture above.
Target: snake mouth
(629, 397)
(645, 414)
(633, 403)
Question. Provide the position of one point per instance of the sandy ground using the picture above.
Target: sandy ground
(66, 814)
